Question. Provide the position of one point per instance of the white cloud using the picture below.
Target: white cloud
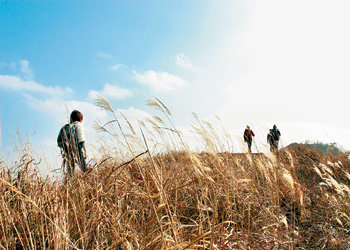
(291, 63)
(104, 55)
(117, 67)
(160, 81)
(183, 61)
(111, 91)
(134, 114)
(25, 70)
(59, 110)
(16, 83)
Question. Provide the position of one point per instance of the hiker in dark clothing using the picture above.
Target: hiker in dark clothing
(271, 141)
(273, 138)
(248, 137)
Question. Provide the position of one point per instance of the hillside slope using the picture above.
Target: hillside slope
(298, 198)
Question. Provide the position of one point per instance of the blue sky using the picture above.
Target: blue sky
(248, 62)
(85, 45)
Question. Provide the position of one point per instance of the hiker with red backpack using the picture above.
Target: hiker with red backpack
(71, 140)
(273, 138)
(248, 137)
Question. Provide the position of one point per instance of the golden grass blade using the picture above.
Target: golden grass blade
(103, 104)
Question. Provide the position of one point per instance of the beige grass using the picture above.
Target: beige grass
(179, 199)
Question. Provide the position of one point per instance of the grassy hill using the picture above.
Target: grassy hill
(298, 198)
(326, 148)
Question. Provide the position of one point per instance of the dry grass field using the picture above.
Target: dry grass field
(297, 198)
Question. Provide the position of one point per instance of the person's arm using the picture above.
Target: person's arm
(81, 138)
(59, 143)
(85, 155)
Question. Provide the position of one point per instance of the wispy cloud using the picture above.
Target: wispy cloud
(59, 110)
(183, 61)
(104, 55)
(26, 71)
(18, 84)
(160, 81)
(111, 91)
(134, 115)
(117, 67)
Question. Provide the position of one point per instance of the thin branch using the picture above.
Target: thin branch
(124, 164)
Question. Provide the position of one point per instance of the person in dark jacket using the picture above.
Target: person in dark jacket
(248, 137)
(273, 138)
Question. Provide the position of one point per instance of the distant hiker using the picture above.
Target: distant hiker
(271, 141)
(273, 138)
(248, 137)
(71, 140)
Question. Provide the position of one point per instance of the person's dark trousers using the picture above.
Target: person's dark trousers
(249, 143)
(68, 163)
(274, 146)
(70, 159)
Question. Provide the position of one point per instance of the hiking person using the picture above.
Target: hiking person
(248, 137)
(71, 140)
(271, 141)
(273, 138)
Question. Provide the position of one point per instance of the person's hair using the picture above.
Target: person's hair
(76, 116)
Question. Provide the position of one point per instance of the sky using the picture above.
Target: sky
(248, 62)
